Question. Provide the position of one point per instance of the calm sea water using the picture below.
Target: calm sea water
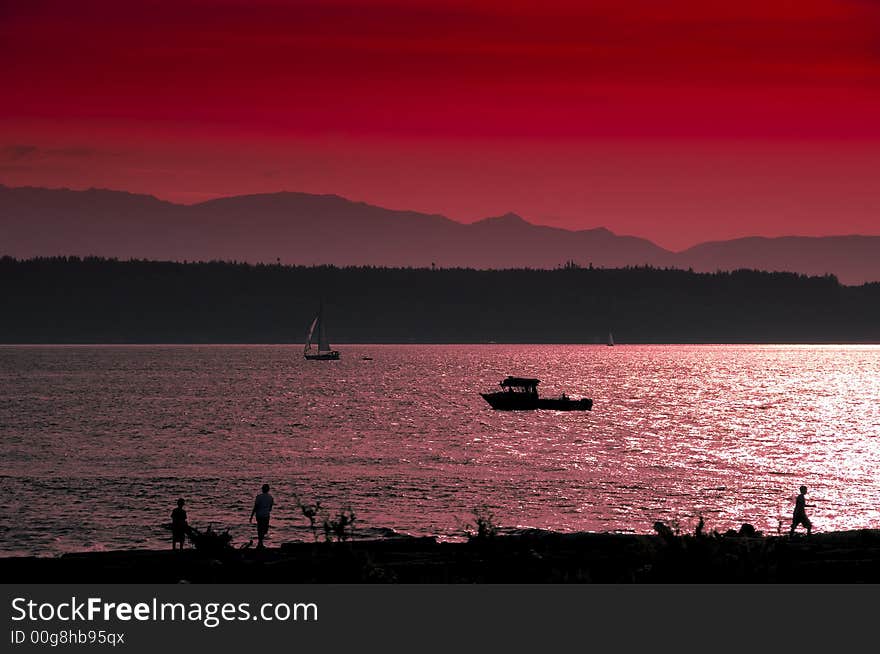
(98, 442)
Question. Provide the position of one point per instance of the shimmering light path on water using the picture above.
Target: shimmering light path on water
(98, 442)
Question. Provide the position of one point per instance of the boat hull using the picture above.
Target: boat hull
(520, 402)
(323, 356)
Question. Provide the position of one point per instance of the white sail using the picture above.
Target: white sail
(324, 352)
(323, 345)
(309, 334)
(610, 339)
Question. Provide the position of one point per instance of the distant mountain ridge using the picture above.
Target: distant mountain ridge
(301, 228)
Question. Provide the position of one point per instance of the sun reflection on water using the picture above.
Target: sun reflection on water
(98, 436)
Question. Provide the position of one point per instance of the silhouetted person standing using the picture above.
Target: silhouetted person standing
(262, 509)
(800, 513)
(178, 525)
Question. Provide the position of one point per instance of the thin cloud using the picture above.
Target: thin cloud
(20, 152)
(75, 151)
(17, 152)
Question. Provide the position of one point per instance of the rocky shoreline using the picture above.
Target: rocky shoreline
(531, 556)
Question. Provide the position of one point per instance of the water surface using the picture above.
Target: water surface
(98, 442)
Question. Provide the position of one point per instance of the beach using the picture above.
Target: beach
(532, 556)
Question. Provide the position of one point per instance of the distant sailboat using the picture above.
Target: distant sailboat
(323, 353)
(610, 339)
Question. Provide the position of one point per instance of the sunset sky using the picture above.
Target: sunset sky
(680, 121)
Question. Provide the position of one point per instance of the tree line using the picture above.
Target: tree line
(98, 300)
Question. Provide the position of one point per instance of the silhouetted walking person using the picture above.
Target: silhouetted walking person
(262, 509)
(179, 526)
(800, 513)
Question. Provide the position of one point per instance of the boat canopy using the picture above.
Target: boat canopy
(520, 382)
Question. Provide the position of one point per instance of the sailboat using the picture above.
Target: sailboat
(610, 340)
(323, 353)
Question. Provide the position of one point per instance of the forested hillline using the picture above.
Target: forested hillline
(306, 229)
(94, 300)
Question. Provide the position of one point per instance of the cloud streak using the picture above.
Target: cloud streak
(17, 152)
(26, 152)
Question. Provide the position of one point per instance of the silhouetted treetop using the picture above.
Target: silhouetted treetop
(92, 299)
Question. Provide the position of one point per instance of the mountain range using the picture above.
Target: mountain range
(301, 228)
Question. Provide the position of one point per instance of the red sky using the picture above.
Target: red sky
(680, 120)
